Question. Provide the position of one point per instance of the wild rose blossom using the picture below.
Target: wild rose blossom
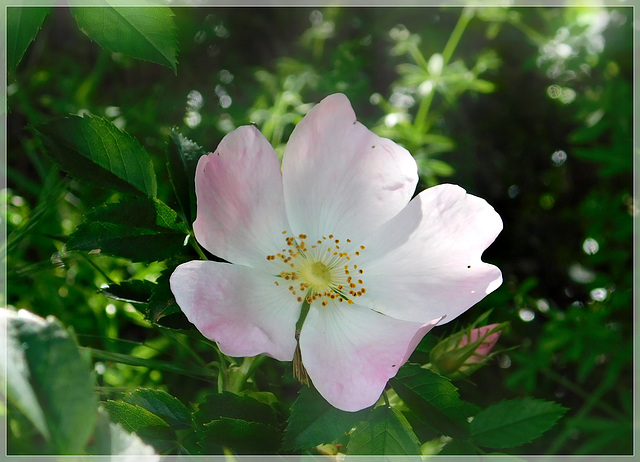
(334, 227)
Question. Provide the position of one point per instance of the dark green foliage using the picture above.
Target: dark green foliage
(239, 422)
(23, 25)
(163, 309)
(515, 422)
(433, 398)
(135, 291)
(141, 229)
(183, 158)
(313, 421)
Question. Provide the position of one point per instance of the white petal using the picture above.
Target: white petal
(426, 262)
(240, 205)
(350, 352)
(340, 178)
(239, 307)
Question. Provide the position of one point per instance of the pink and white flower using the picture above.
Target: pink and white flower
(335, 227)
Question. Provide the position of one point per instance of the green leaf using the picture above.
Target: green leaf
(433, 398)
(188, 370)
(134, 291)
(183, 158)
(314, 421)
(241, 436)
(140, 211)
(458, 447)
(155, 300)
(439, 167)
(162, 308)
(514, 422)
(147, 33)
(23, 25)
(132, 417)
(140, 229)
(111, 439)
(385, 432)
(613, 160)
(93, 149)
(148, 426)
(48, 380)
(136, 243)
(227, 404)
(162, 404)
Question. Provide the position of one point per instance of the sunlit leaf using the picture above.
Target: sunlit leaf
(148, 426)
(147, 33)
(93, 149)
(385, 432)
(111, 439)
(162, 404)
(48, 380)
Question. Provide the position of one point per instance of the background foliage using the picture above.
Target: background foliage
(530, 109)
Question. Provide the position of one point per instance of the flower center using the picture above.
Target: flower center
(325, 270)
(317, 274)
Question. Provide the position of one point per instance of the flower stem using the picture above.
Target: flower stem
(245, 371)
(299, 371)
(194, 244)
(223, 373)
(97, 268)
(572, 387)
(386, 398)
(420, 121)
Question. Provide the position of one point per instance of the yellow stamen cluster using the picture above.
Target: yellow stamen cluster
(325, 270)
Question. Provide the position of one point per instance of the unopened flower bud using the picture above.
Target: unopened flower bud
(462, 353)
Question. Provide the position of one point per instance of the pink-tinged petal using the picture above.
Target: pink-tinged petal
(350, 352)
(426, 261)
(240, 308)
(487, 344)
(340, 178)
(241, 212)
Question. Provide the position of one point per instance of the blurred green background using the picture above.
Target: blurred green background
(529, 108)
